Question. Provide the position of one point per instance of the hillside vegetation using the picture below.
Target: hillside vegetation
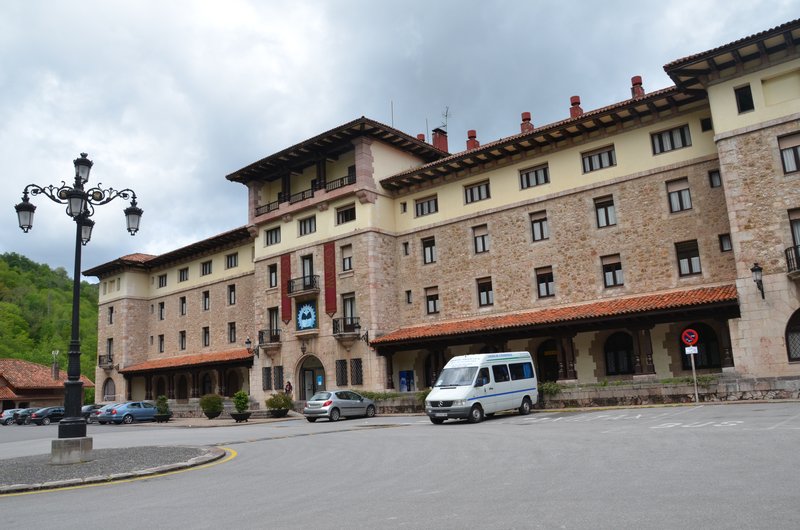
(36, 313)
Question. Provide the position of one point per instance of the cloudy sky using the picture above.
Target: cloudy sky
(169, 97)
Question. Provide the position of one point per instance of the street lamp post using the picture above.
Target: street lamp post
(80, 204)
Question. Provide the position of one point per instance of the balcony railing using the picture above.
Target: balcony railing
(338, 183)
(266, 208)
(269, 336)
(346, 325)
(301, 196)
(793, 261)
(304, 283)
(305, 194)
(105, 361)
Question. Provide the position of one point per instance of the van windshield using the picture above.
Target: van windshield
(457, 376)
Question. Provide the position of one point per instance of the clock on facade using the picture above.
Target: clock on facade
(306, 316)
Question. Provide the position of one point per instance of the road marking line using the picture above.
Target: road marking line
(782, 422)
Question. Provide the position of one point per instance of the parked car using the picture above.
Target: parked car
(337, 403)
(23, 416)
(89, 412)
(132, 411)
(103, 414)
(7, 417)
(47, 415)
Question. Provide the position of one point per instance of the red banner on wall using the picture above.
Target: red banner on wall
(329, 259)
(286, 275)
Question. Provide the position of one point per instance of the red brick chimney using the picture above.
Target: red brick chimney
(440, 139)
(637, 90)
(526, 125)
(421, 137)
(575, 110)
(472, 141)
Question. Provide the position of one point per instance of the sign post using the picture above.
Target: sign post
(690, 338)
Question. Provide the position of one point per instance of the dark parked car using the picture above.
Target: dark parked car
(89, 412)
(7, 417)
(103, 414)
(23, 416)
(47, 415)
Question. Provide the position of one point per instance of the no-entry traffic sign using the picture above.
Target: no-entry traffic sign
(689, 337)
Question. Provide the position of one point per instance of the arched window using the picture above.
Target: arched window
(619, 354)
(793, 337)
(109, 390)
(707, 355)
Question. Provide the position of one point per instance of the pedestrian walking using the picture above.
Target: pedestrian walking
(288, 388)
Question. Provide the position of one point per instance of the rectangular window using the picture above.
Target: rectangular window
(612, 270)
(744, 99)
(725, 244)
(432, 300)
(111, 314)
(266, 378)
(356, 372)
(349, 311)
(161, 344)
(273, 275)
(110, 348)
(539, 227)
(790, 153)
(162, 280)
(307, 225)
(272, 236)
(272, 321)
(181, 340)
(714, 178)
(205, 268)
(341, 372)
(206, 300)
(347, 257)
(345, 214)
(405, 248)
(500, 373)
(426, 206)
(161, 311)
(599, 159)
(403, 207)
(535, 176)
(679, 197)
(476, 192)
(232, 260)
(182, 305)
(606, 213)
(232, 295)
(206, 337)
(278, 377)
(183, 274)
(670, 140)
(688, 256)
(794, 224)
(408, 297)
(706, 124)
(485, 292)
(545, 282)
(480, 235)
(521, 371)
(231, 332)
(429, 250)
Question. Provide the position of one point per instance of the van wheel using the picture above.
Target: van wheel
(525, 408)
(437, 421)
(475, 414)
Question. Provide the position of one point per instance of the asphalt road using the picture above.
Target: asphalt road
(713, 466)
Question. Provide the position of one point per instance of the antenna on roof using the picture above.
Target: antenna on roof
(391, 106)
(445, 115)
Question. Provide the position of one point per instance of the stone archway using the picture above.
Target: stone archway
(793, 337)
(109, 390)
(547, 359)
(310, 376)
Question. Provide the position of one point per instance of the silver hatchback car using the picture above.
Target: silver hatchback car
(337, 403)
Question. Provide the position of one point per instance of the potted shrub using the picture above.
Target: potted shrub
(279, 404)
(211, 404)
(240, 402)
(163, 414)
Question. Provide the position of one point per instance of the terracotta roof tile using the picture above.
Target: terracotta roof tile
(7, 393)
(571, 313)
(185, 361)
(138, 257)
(27, 375)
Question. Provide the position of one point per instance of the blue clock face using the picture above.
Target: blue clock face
(306, 317)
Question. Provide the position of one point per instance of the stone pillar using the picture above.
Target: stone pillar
(195, 389)
(566, 363)
(128, 387)
(643, 352)
(637, 352)
(221, 381)
(148, 386)
(389, 372)
(171, 386)
(562, 365)
(725, 346)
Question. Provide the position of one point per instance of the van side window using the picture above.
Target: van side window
(500, 372)
(521, 371)
(483, 377)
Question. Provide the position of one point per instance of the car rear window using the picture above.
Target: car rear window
(320, 396)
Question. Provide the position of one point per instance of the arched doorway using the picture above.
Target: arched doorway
(183, 388)
(312, 377)
(793, 337)
(618, 352)
(547, 359)
(109, 390)
(207, 385)
(234, 382)
(161, 387)
(707, 355)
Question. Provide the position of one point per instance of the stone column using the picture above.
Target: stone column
(221, 381)
(725, 346)
(171, 386)
(128, 386)
(637, 352)
(643, 352)
(566, 364)
(148, 386)
(195, 390)
(389, 372)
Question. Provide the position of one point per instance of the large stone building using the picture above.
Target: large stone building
(370, 257)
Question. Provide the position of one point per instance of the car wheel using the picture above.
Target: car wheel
(27, 421)
(127, 419)
(475, 414)
(89, 420)
(335, 415)
(371, 411)
(312, 420)
(525, 408)
(45, 421)
(102, 422)
(437, 421)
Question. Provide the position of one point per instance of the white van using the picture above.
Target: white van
(472, 386)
